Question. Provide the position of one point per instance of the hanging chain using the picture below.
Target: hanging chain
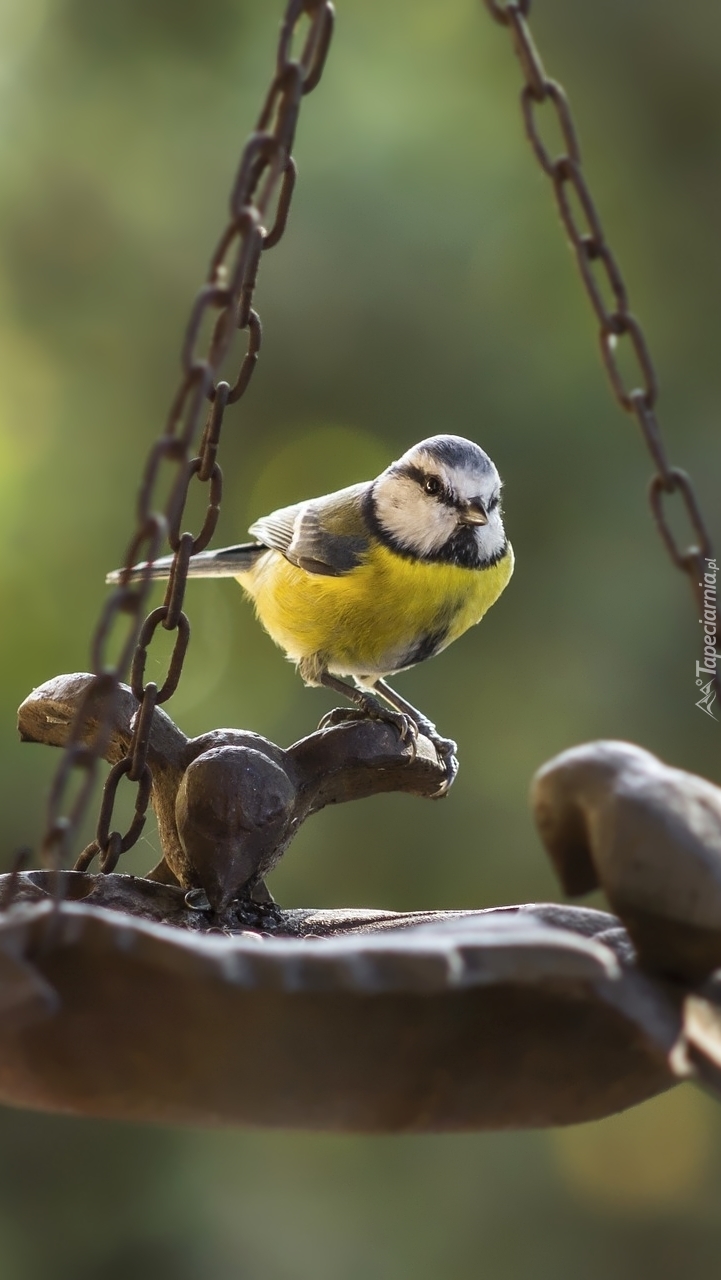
(265, 181)
(608, 296)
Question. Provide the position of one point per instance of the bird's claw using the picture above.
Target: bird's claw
(445, 747)
(340, 715)
(408, 729)
(446, 750)
(406, 726)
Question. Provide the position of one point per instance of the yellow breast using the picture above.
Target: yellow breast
(388, 613)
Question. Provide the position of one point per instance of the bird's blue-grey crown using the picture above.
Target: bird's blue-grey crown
(441, 501)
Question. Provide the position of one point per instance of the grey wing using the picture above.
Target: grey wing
(326, 535)
(276, 530)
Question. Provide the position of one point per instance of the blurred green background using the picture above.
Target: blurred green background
(423, 285)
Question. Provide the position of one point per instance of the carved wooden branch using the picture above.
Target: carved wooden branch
(229, 803)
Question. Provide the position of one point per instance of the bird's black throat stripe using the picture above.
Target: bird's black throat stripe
(426, 647)
(461, 549)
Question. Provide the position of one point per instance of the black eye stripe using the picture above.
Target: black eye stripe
(445, 495)
(422, 477)
(414, 473)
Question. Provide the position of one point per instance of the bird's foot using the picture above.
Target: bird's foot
(446, 750)
(406, 726)
(444, 746)
(340, 715)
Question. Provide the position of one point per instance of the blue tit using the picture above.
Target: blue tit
(375, 578)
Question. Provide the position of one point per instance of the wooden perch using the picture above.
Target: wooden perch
(229, 803)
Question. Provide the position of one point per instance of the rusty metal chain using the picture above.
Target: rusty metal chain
(608, 296)
(261, 194)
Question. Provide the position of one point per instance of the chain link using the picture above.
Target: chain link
(266, 174)
(598, 270)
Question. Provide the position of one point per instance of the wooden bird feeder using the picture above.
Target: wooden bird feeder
(189, 995)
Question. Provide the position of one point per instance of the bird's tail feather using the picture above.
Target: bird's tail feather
(228, 562)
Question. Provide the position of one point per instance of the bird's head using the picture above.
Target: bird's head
(441, 501)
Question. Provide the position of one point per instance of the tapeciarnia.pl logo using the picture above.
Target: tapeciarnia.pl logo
(709, 622)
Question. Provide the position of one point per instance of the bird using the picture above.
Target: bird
(375, 578)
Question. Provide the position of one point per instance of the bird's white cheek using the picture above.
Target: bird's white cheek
(407, 515)
(491, 537)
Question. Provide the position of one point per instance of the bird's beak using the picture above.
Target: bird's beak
(474, 513)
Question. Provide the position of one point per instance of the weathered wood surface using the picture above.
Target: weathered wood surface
(361, 1021)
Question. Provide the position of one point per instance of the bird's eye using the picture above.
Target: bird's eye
(432, 486)
(491, 506)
